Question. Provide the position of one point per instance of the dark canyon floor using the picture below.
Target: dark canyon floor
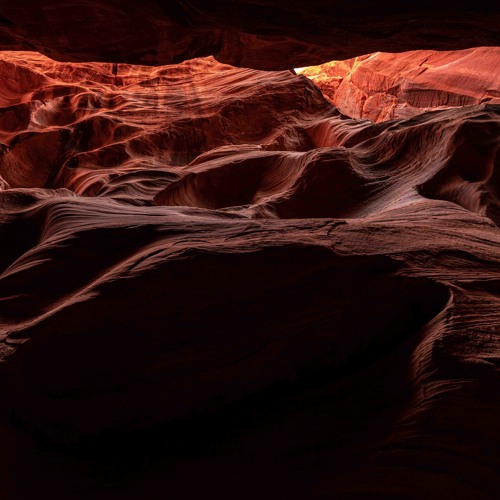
(214, 284)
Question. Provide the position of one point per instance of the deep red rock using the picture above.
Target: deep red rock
(214, 284)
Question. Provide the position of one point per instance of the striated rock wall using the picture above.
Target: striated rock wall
(214, 284)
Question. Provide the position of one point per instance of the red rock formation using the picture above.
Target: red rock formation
(214, 284)
(85, 126)
(385, 86)
(265, 34)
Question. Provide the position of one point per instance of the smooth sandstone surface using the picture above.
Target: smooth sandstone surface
(216, 285)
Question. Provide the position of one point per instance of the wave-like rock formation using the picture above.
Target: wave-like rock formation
(264, 34)
(213, 284)
(385, 86)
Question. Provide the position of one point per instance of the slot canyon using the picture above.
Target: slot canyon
(249, 249)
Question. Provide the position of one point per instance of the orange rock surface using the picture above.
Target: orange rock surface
(385, 86)
(213, 284)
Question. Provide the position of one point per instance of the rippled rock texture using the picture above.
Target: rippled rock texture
(215, 285)
(385, 86)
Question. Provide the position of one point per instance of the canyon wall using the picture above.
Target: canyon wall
(216, 285)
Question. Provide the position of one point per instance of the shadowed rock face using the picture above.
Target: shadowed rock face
(277, 34)
(216, 285)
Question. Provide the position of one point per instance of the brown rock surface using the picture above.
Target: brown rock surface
(215, 285)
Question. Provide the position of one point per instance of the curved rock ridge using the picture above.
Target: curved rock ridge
(264, 34)
(210, 277)
(152, 316)
(449, 155)
(384, 86)
(94, 128)
(213, 136)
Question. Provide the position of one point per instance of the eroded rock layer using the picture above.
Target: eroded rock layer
(385, 86)
(214, 284)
